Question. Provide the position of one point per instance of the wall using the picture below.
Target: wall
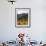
(8, 31)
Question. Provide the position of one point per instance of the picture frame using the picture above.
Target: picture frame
(22, 17)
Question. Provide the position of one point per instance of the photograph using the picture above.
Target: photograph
(22, 17)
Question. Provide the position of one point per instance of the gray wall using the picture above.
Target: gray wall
(8, 31)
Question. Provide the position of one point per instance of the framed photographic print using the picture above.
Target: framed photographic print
(22, 17)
